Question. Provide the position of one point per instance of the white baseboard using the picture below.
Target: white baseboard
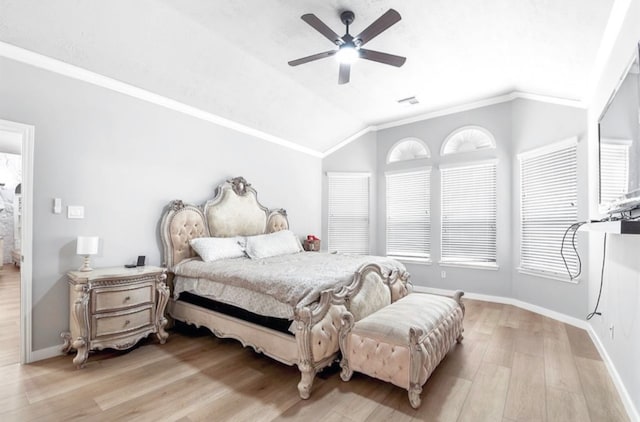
(46, 353)
(632, 412)
(510, 301)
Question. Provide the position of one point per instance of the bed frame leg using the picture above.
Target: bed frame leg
(307, 373)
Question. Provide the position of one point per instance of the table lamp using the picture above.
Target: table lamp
(86, 246)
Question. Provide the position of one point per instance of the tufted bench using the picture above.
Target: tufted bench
(403, 342)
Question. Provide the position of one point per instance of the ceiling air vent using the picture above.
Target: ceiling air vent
(409, 101)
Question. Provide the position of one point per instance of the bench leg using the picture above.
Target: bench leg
(414, 395)
(346, 372)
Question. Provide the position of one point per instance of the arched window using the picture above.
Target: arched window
(408, 149)
(468, 138)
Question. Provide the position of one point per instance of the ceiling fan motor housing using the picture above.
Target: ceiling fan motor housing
(347, 17)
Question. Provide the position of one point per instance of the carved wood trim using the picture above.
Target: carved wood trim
(162, 300)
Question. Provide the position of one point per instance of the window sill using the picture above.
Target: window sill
(410, 260)
(549, 275)
(475, 265)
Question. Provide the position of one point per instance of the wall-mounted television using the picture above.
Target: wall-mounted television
(619, 143)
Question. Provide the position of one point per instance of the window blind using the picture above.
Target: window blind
(614, 171)
(548, 189)
(469, 213)
(408, 220)
(348, 209)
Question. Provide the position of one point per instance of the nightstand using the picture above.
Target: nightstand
(114, 308)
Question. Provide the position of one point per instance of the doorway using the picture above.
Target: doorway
(16, 198)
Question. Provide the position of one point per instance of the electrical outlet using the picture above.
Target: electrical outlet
(611, 329)
(443, 274)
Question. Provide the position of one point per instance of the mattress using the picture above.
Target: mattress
(273, 286)
(256, 302)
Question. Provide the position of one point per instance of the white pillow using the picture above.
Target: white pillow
(273, 244)
(214, 248)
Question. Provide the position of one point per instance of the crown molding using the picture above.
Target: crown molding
(41, 61)
(514, 95)
(349, 140)
(65, 69)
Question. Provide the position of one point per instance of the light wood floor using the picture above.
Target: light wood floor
(9, 315)
(513, 365)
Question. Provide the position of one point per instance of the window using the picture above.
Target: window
(469, 214)
(614, 169)
(408, 149)
(408, 220)
(548, 195)
(348, 209)
(468, 138)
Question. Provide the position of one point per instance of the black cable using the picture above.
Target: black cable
(573, 244)
(604, 256)
(574, 226)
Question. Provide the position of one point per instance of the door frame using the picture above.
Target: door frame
(26, 288)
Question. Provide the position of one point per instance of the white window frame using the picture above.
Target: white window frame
(540, 267)
(400, 143)
(491, 262)
(462, 129)
(404, 256)
(360, 224)
(618, 172)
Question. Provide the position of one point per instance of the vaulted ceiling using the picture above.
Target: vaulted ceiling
(230, 58)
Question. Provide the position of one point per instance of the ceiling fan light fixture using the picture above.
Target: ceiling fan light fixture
(347, 54)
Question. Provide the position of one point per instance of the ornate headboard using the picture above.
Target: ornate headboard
(234, 211)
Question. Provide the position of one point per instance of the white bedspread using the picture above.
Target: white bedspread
(295, 280)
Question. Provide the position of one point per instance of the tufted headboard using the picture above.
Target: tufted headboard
(234, 211)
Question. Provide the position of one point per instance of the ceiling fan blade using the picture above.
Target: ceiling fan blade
(312, 58)
(320, 26)
(345, 71)
(379, 57)
(382, 23)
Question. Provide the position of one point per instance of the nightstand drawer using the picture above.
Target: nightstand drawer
(110, 299)
(107, 324)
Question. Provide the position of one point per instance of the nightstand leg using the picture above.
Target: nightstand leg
(66, 347)
(163, 299)
(80, 345)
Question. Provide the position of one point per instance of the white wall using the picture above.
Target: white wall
(358, 156)
(620, 303)
(537, 124)
(517, 126)
(496, 119)
(124, 160)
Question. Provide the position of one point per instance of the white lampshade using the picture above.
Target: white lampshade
(87, 245)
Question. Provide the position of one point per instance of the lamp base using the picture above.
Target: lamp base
(86, 264)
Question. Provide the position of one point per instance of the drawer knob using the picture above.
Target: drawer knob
(127, 298)
(127, 322)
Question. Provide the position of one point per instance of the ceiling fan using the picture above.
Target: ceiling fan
(350, 47)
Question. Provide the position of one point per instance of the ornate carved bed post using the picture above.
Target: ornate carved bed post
(305, 359)
(163, 298)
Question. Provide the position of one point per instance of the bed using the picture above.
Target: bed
(286, 306)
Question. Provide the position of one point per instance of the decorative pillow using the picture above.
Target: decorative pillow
(214, 248)
(273, 244)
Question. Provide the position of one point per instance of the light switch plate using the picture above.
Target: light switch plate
(57, 205)
(75, 211)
